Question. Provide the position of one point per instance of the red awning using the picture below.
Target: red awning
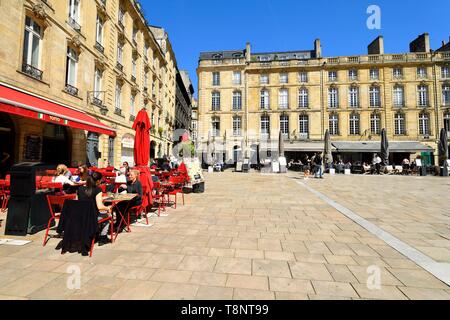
(27, 105)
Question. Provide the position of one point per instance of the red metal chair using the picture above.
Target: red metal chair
(55, 201)
(158, 196)
(4, 195)
(138, 210)
(111, 231)
(176, 187)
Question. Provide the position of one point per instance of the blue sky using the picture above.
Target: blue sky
(285, 25)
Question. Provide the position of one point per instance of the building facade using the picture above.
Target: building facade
(183, 108)
(94, 61)
(246, 99)
(194, 121)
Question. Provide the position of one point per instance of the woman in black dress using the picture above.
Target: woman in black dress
(92, 192)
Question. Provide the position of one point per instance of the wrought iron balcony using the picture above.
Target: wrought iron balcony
(97, 102)
(32, 71)
(118, 111)
(133, 79)
(99, 47)
(74, 24)
(71, 90)
(121, 24)
(119, 66)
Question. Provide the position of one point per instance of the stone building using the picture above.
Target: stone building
(246, 98)
(194, 121)
(73, 76)
(183, 108)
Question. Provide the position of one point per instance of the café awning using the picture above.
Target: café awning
(375, 146)
(306, 146)
(28, 105)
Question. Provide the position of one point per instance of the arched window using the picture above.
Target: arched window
(32, 49)
(237, 100)
(399, 96)
(303, 99)
(399, 124)
(333, 97)
(265, 126)
(265, 101)
(333, 124)
(424, 124)
(215, 103)
(422, 96)
(237, 126)
(447, 121)
(374, 96)
(215, 125)
(446, 94)
(283, 99)
(303, 125)
(284, 125)
(354, 123)
(71, 71)
(353, 97)
(375, 123)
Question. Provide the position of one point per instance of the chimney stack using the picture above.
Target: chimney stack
(318, 48)
(421, 44)
(376, 46)
(248, 52)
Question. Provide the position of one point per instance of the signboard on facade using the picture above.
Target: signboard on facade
(32, 150)
(128, 142)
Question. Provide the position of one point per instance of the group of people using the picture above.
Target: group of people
(87, 183)
(313, 165)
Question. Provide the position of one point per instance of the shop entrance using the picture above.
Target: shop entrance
(55, 145)
(6, 149)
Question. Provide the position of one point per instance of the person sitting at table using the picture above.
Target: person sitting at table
(61, 176)
(92, 192)
(166, 166)
(133, 186)
(83, 172)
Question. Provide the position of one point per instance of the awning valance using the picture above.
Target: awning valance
(28, 105)
(375, 146)
(306, 146)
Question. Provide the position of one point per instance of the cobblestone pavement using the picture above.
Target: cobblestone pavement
(252, 236)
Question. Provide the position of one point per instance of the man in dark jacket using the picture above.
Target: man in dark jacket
(318, 161)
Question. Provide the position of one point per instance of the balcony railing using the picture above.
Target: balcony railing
(32, 71)
(133, 79)
(74, 24)
(119, 66)
(98, 102)
(121, 24)
(118, 111)
(99, 47)
(71, 90)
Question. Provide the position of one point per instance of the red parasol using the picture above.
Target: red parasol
(142, 127)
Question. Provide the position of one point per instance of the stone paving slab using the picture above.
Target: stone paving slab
(252, 236)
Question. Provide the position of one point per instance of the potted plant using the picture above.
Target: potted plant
(160, 131)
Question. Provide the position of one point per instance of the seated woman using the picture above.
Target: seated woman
(133, 186)
(83, 173)
(92, 192)
(61, 176)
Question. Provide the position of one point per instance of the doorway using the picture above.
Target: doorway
(7, 150)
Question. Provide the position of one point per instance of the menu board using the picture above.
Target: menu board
(32, 149)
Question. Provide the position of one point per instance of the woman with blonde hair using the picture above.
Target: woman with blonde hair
(61, 175)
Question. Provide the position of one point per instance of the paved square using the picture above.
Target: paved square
(252, 236)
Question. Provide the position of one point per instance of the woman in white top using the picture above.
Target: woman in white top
(61, 177)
